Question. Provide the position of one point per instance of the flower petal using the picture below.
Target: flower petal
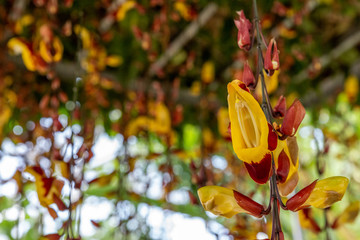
(219, 201)
(327, 192)
(319, 194)
(348, 215)
(249, 127)
(260, 172)
(293, 117)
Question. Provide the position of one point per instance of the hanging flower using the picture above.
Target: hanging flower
(227, 202)
(252, 136)
(319, 194)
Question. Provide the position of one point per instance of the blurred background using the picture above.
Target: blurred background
(113, 114)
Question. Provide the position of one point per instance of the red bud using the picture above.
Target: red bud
(293, 117)
(280, 108)
(244, 27)
(255, 209)
(271, 61)
(283, 167)
(248, 76)
(272, 138)
(295, 203)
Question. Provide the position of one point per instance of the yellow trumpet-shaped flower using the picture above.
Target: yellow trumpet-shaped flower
(319, 194)
(227, 202)
(252, 137)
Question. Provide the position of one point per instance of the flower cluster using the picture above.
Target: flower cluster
(264, 139)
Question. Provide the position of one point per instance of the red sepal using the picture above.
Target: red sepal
(295, 203)
(293, 117)
(255, 209)
(260, 172)
(248, 76)
(283, 167)
(272, 138)
(280, 108)
(271, 60)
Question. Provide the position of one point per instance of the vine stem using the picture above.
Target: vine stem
(275, 199)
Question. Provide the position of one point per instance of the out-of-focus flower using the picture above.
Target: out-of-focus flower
(351, 88)
(32, 61)
(319, 194)
(158, 121)
(208, 72)
(124, 8)
(226, 202)
(47, 188)
(252, 136)
(223, 122)
(94, 57)
(244, 27)
(307, 221)
(271, 60)
(348, 215)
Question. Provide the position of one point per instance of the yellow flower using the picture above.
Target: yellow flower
(319, 194)
(227, 202)
(252, 137)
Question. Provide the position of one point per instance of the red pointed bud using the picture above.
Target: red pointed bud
(244, 27)
(271, 61)
(283, 167)
(253, 208)
(272, 138)
(280, 108)
(260, 172)
(296, 202)
(248, 76)
(293, 117)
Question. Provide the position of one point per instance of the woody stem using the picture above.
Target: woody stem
(275, 199)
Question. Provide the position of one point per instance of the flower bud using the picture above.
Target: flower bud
(244, 27)
(293, 117)
(248, 76)
(280, 108)
(271, 61)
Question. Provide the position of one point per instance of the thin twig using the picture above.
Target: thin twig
(183, 38)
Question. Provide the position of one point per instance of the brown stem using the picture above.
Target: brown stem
(275, 199)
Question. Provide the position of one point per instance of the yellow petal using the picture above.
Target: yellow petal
(291, 149)
(223, 122)
(17, 46)
(51, 53)
(114, 61)
(183, 9)
(84, 35)
(271, 82)
(219, 201)
(249, 127)
(124, 8)
(327, 192)
(351, 87)
(349, 215)
(208, 72)
(208, 137)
